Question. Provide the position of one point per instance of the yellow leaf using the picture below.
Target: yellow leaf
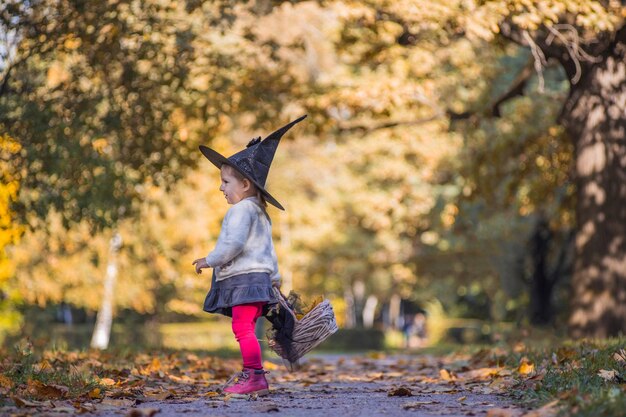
(269, 366)
(525, 367)
(155, 365)
(376, 355)
(107, 381)
(211, 394)
(95, 393)
(5, 382)
(100, 145)
(445, 375)
(72, 43)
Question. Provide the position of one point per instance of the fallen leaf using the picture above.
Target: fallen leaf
(533, 381)
(142, 412)
(183, 379)
(445, 375)
(118, 402)
(548, 410)
(43, 366)
(5, 382)
(84, 407)
(482, 390)
(95, 393)
(461, 399)
(40, 389)
(565, 354)
(20, 402)
(609, 376)
(480, 374)
(400, 392)
(620, 356)
(159, 396)
(240, 397)
(417, 404)
(525, 367)
(212, 394)
(106, 381)
(270, 366)
(503, 412)
(155, 365)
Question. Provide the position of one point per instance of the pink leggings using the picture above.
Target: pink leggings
(244, 319)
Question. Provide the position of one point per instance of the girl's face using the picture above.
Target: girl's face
(233, 188)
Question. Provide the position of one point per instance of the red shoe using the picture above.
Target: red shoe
(248, 382)
(232, 380)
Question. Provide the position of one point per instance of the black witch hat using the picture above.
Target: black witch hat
(254, 161)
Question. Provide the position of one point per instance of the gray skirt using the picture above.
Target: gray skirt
(240, 289)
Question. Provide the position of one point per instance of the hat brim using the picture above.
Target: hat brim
(218, 160)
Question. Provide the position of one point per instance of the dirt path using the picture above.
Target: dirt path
(341, 386)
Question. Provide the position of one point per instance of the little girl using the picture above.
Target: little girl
(244, 260)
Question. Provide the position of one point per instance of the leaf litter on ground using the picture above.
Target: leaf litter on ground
(106, 380)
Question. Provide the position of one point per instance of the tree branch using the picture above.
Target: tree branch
(568, 51)
(516, 88)
(576, 53)
(343, 128)
(539, 59)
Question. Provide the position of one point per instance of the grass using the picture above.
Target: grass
(25, 374)
(569, 373)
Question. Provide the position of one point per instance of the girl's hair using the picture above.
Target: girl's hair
(259, 195)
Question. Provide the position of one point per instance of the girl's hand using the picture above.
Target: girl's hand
(200, 263)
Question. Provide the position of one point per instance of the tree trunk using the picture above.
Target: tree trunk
(102, 330)
(595, 115)
(369, 311)
(395, 307)
(358, 292)
(350, 316)
(541, 285)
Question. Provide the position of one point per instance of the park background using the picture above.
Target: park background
(464, 159)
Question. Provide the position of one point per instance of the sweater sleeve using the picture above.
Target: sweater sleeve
(233, 236)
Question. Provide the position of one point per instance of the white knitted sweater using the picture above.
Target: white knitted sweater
(245, 243)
